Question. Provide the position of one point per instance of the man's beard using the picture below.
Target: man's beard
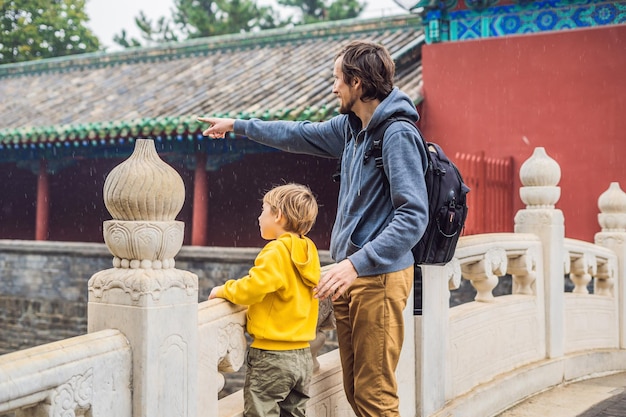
(346, 108)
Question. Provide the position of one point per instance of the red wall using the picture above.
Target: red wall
(564, 91)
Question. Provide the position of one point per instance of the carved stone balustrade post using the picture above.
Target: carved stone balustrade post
(612, 219)
(154, 304)
(523, 270)
(540, 175)
(605, 279)
(484, 274)
(431, 337)
(581, 270)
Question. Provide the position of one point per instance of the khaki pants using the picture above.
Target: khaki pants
(277, 382)
(370, 330)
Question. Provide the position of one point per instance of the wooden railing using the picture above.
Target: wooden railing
(491, 197)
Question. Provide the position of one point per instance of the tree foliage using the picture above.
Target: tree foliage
(199, 18)
(159, 32)
(35, 29)
(322, 10)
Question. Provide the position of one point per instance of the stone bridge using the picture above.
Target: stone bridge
(153, 350)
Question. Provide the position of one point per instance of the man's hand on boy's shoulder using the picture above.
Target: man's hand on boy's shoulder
(336, 281)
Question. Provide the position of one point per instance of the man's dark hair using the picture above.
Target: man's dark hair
(372, 64)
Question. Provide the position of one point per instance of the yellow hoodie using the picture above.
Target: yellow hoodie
(282, 313)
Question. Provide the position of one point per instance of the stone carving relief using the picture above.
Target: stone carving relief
(232, 346)
(143, 244)
(540, 217)
(523, 269)
(143, 187)
(585, 266)
(72, 399)
(608, 240)
(142, 282)
(173, 354)
(540, 175)
(453, 272)
(144, 195)
(605, 278)
(582, 268)
(484, 273)
(231, 350)
(612, 204)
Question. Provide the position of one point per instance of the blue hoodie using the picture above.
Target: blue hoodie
(380, 215)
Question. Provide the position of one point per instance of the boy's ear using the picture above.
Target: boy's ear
(279, 218)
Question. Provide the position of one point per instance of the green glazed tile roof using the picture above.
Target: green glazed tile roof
(101, 100)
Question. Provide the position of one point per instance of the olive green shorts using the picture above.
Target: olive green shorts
(277, 382)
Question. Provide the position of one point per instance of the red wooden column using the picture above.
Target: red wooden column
(43, 203)
(200, 202)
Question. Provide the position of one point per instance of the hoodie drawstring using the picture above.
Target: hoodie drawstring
(358, 160)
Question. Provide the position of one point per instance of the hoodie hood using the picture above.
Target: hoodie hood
(304, 257)
(396, 103)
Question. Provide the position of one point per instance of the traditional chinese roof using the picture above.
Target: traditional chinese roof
(102, 101)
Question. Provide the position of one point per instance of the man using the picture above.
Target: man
(381, 215)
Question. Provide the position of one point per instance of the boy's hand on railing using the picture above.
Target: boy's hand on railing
(214, 292)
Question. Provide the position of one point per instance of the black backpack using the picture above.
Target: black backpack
(447, 202)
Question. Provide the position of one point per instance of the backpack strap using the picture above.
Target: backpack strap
(337, 174)
(376, 149)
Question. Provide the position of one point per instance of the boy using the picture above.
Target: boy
(282, 312)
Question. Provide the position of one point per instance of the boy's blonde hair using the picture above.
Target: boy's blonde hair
(297, 205)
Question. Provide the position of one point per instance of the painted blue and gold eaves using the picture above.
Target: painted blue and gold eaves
(453, 20)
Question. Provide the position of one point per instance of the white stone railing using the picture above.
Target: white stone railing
(501, 350)
(85, 375)
(466, 346)
(482, 259)
(222, 348)
(475, 359)
(513, 324)
(591, 320)
(585, 261)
